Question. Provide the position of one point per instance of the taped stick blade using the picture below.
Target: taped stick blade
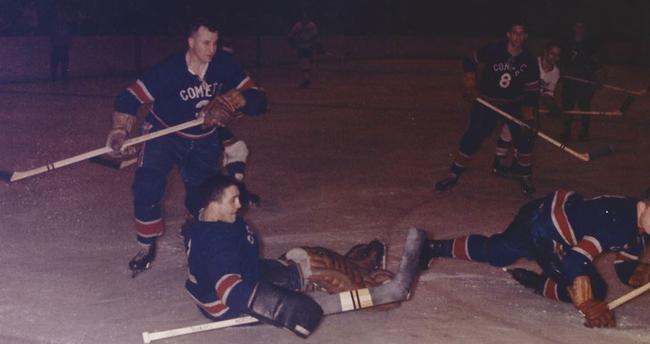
(600, 152)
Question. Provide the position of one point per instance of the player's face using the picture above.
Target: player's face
(517, 36)
(224, 209)
(552, 56)
(643, 213)
(203, 44)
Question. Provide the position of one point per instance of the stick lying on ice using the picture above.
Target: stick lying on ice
(611, 87)
(582, 156)
(398, 289)
(12, 176)
(629, 296)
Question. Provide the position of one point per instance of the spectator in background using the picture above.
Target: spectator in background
(61, 28)
(305, 39)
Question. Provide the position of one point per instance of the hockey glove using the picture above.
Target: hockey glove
(596, 312)
(640, 276)
(470, 92)
(223, 109)
(122, 126)
(285, 308)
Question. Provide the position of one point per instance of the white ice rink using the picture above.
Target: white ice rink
(351, 159)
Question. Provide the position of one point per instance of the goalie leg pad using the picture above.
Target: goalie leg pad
(285, 308)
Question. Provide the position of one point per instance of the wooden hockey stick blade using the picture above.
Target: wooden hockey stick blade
(629, 296)
(600, 152)
(398, 289)
(6, 175)
(611, 87)
(18, 175)
(117, 164)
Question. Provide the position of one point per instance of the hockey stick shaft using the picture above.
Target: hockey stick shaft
(591, 113)
(581, 156)
(611, 87)
(629, 296)
(18, 175)
(395, 291)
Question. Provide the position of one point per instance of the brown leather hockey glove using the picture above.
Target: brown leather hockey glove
(121, 129)
(596, 312)
(640, 276)
(223, 109)
(326, 270)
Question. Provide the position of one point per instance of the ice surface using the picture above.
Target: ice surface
(351, 159)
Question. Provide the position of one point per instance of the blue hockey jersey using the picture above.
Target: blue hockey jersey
(579, 230)
(505, 78)
(223, 266)
(174, 95)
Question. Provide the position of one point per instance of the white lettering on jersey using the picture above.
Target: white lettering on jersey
(199, 91)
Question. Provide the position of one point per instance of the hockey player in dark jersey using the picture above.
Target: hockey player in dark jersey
(228, 278)
(579, 60)
(510, 80)
(197, 82)
(564, 233)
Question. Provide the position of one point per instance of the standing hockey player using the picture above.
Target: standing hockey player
(510, 80)
(579, 61)
(549, 77)
(188, 84)
(227, 277)
(305, 39)
(564, 233)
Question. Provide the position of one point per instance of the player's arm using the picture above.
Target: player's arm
(265, 301)
(629, 268)
(243, 96)
(141, 92)
(575, 264)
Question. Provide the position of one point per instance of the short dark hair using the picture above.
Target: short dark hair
(552, 44)
(213, 187)
(645, 196)
(195, 24)
(517, 22)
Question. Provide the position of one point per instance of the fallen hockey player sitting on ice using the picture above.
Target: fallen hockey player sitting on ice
(564, 233)
(227, 278)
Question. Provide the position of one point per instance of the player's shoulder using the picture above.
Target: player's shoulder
(225, 57)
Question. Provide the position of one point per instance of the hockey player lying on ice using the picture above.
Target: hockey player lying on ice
(564, 233)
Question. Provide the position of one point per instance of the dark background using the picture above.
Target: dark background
(546, 18)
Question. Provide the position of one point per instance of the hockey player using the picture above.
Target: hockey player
(510, 80)
(579, 61)
(549, 77)
(227, 277)
(564, 233)
(304, 37)
(188, 84)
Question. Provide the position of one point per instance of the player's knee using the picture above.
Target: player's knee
(235, 152)
(148, 186)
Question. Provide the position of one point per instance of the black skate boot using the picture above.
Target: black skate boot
(434, 249)
(527, 186)
(499, 169)
(447, 183)
(528, 279)
(143, 259)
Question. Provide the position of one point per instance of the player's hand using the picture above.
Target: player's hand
(597, 314)
(115, 140)
(122, 125)
(222, 110)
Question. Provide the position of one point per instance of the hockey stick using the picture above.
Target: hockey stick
(398, 289)
(590, 113)
(611, 87)
(629, 296)
(593, 154)
(12, 176)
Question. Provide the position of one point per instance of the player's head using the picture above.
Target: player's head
(220, 196)
(552, 52)
(202, 37)
(643, 211)
(580, 29)
(517, 34)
